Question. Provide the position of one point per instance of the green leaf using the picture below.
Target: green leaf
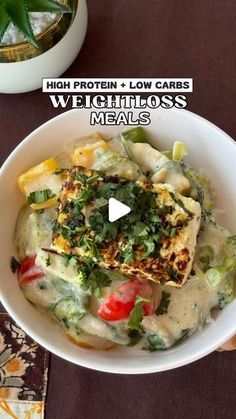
(80, 177)
(95, 281)
(48, 260)
(37, 197)
(149, 248)
(85, 195)
(88, 244)
(135, 336)
(136, 316)
(4, 21)
(18, 14)
(128, 253)
(140, 229)
(47, 6)
(137, 313)
(14, 264)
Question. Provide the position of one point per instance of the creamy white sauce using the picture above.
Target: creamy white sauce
(189, 307)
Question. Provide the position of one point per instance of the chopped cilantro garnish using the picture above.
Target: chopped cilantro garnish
(127, 253)
(85, 195)
(81, 177)
(95, 281)
(136, 317)
(149, 246)
(37, 197)
(14, 264)
(88, 244)
(66, 260)
(166, 209)
(90, 278)
(137, 313)
(48, 261)
(135, 336)
(66, 232)
(42, 285)
(136, 236)
(140, 229)
(94, 177)
(164, 304)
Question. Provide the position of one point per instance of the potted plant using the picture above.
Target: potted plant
(38, 38)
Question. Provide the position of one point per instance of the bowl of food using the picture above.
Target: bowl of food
(145, 291)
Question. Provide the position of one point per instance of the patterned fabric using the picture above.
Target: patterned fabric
(23, 373)
(21, 410)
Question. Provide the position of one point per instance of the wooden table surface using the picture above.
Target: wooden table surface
(149, 38)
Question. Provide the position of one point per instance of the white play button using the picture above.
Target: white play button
(117, 210)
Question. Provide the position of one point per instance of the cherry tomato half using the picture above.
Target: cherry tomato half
(119, 304)
(28, 271)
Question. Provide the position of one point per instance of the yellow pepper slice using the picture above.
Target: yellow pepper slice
(46, 204)
(85, 156)
(37, 173)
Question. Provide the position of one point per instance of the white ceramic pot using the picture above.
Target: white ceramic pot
(209, 148)
(24, 76)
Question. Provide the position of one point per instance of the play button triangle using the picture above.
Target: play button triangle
(116, 209)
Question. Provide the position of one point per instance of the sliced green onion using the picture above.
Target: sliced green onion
(215, 275)
(135, 135)
(179, 150)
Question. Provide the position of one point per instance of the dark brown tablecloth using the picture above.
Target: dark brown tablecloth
(146, 38)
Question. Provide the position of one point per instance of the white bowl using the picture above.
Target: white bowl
(209, 148)
(24, 76)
